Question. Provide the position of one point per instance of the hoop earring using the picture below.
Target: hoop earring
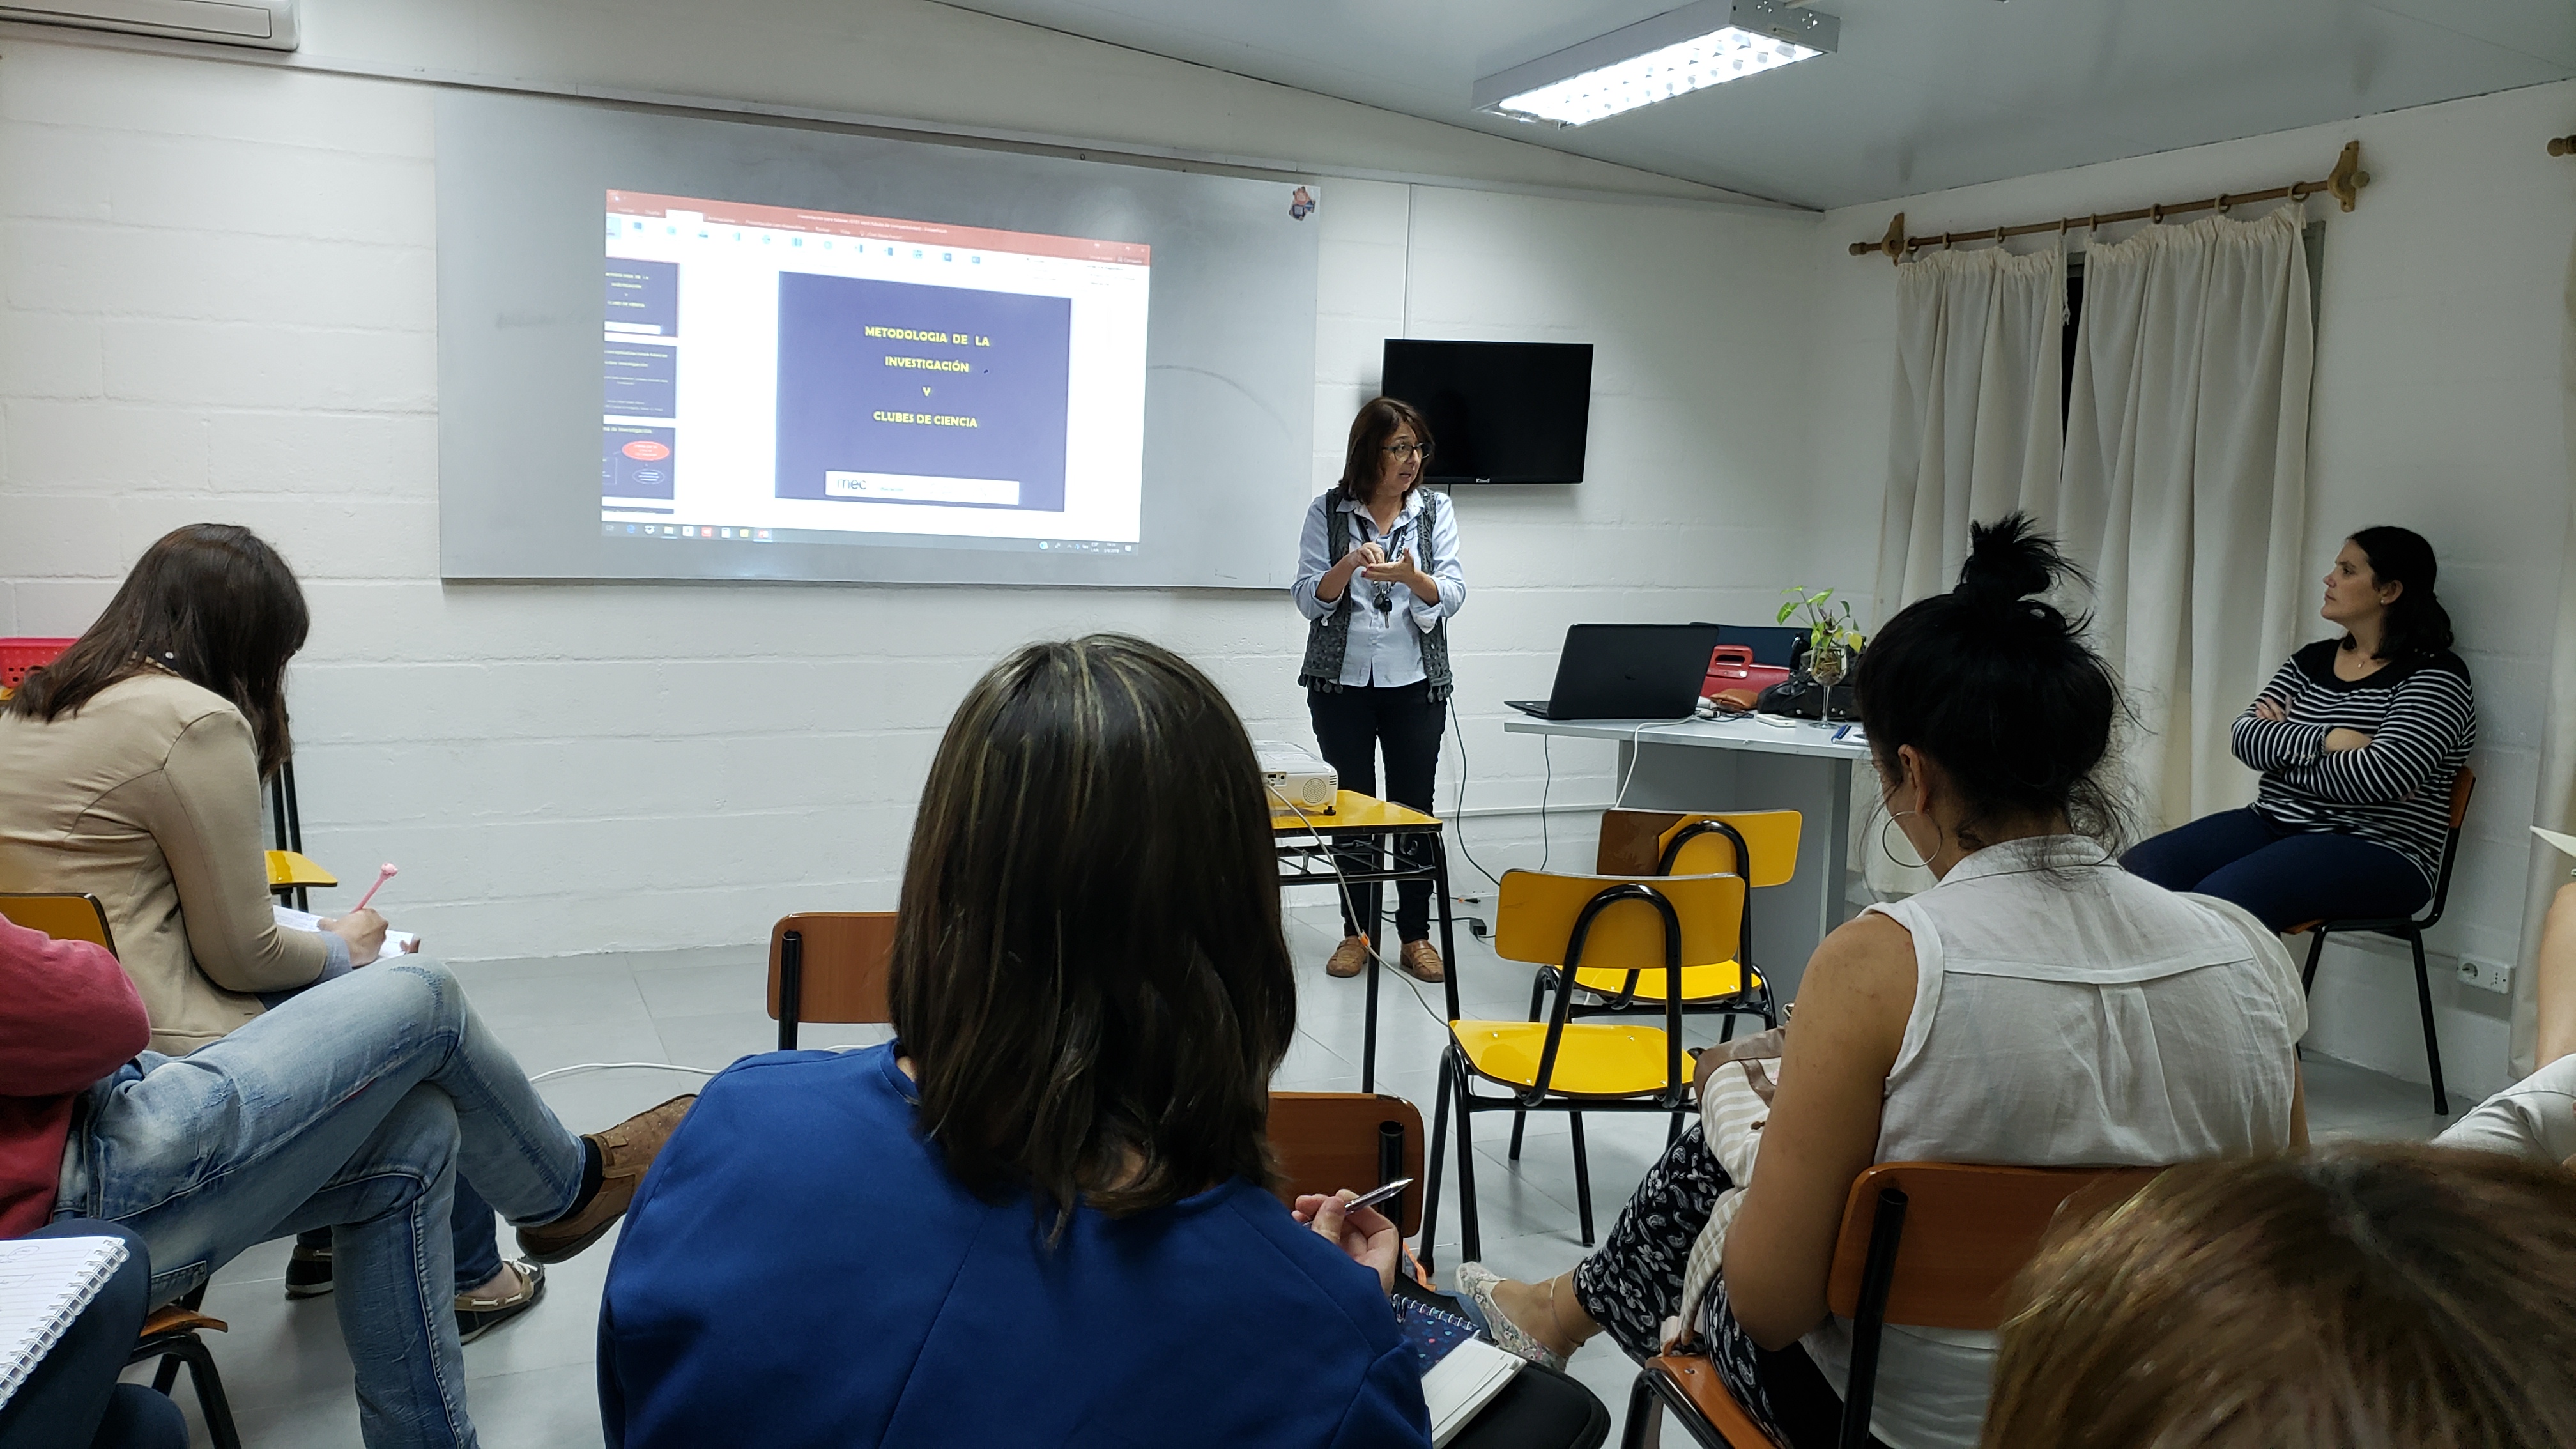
(1889, 852)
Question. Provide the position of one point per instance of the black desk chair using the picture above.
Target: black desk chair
(2410, 929)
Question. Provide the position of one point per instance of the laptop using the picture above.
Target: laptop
(1627, 671)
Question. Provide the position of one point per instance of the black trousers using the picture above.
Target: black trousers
(1351, 725)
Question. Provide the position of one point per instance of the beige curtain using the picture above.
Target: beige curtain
(1979, 374)
(2555, 808)
(1980, 365)
(2185, 486)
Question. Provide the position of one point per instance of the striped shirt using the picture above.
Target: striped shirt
(2395, 791)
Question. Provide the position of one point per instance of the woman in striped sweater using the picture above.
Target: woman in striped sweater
(2358, 740)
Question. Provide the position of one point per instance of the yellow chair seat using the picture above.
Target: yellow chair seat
(288, 869)
(1591, 1061)
(1699, 983)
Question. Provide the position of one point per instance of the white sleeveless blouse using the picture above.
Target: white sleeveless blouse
(2067, 1013)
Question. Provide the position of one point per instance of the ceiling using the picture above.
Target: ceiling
(1924, 94)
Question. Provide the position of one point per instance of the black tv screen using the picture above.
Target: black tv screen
(1500, 412)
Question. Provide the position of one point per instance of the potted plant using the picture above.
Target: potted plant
(1833, 635)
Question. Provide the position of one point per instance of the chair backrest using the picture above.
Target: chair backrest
(2463, 785)
(63, 917)
(1536, 913)
(1663, 842)
(1327, 1141)
(829, 966)
(1967, 1231)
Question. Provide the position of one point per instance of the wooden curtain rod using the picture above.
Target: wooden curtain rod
(2344, 184)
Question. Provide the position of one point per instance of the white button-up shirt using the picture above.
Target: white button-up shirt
(1387, 620)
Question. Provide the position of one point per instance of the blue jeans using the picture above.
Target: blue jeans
(73, 1399)
(353, 1106)
(2285, 877)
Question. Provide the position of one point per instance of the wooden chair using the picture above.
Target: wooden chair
(64, 917)
(169, 1333)
(2409, 929)
(1328, 1141)
(829, 966)
(1640, 933)
(170, 1336)
(1923, 1244)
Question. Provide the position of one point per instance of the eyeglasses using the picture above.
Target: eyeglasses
(1408, 450)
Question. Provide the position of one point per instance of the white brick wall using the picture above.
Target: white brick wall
(218, 287)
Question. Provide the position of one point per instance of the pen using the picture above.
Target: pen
(383, 875)
(1840, 731)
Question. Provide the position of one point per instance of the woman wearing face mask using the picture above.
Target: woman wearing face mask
(2038, 1006)
(1377, 579)
(2358, 739)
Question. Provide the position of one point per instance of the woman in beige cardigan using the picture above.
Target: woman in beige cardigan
(130, 769)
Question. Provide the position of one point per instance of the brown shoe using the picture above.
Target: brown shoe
(625, 1150)
(1349, 958)
(1421, 961)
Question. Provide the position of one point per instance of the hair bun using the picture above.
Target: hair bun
(2009, 560)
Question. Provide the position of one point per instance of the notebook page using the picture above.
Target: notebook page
(44, 1284)
(396, 942)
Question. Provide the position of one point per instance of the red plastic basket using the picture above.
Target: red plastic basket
(17, 656)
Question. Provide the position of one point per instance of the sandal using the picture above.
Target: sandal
(1477, 1281)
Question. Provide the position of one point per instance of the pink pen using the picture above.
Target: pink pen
(388, 872)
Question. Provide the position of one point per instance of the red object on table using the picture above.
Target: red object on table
(17, 656)
(1732, 667)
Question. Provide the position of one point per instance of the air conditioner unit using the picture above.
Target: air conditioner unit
(269, 24)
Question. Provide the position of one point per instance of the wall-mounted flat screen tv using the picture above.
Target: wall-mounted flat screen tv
(1500, 412)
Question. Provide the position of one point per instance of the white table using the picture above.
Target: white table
(1743, 763)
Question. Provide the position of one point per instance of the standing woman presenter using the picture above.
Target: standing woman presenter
(2358, 740)
(1377, 579)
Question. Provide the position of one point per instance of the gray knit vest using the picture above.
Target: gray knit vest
(1328, 638)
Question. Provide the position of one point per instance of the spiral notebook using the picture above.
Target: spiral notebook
(44, 1285)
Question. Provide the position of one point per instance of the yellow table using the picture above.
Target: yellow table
(293, 872)
(1305, 845)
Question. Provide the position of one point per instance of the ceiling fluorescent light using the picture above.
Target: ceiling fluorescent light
(1672, 54)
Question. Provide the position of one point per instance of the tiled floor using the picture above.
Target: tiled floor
(530, 1383)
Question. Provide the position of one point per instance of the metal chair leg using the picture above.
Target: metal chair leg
(2432, 1043)
(1538, 998)
(1439, 1149)
(1471, 1243)
(212, 1402)
(1645, 1415)
(2316, 948)
(1582, 1176)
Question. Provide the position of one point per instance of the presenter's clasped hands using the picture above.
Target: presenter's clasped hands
(1404, 571)
(1337, 579)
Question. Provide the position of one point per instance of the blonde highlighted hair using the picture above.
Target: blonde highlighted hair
(2388, 1296)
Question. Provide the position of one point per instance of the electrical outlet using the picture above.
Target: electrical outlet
(2493, 976)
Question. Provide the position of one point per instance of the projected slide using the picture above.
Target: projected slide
(854, 379)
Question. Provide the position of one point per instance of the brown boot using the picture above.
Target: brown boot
(1349, 958)
(1421, 961)
(625, 1150)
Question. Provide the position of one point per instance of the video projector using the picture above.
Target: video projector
(1299, 783)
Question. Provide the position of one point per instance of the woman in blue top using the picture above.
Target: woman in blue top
(1377, 579)
(1040, 1216)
